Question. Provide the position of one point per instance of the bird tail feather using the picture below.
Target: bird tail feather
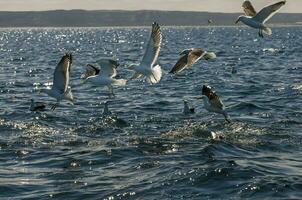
(155, 76)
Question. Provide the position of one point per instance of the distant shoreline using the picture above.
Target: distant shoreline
(119, 18)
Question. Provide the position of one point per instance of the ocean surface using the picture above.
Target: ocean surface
(148, 149)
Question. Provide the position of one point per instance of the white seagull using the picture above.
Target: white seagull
(212, 102)
(189, 57)
(187, 110)
(257, 20)
(36, 106)
(104, 76)
(148, 66)
(60, 89)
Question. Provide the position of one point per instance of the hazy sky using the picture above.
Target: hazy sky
(185, 5)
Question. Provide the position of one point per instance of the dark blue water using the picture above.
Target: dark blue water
(148, 149)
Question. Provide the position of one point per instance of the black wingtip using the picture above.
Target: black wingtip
(205, 89)
(69, 56)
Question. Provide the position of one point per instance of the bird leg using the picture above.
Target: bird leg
(111, 94)
(260, 33)
(227, 117)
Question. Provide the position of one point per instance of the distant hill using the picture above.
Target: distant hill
(82, 18)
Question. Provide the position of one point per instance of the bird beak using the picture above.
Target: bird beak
(236, 22)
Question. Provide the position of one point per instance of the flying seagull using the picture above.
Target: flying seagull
(189, 57)
(104, 76)
(60, 89)
(212, 102)
(148, 66)
(187, 110)
(36, 106)
(257, 20)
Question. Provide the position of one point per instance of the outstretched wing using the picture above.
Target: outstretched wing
(91, 70)
(195, 55)
(108, 67)
(188, 59)
(153, 46)
(267, 12)
(180, 65)
(61, 74)
(249, 9)
(212, 96)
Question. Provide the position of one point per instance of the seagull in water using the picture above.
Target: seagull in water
(36, 106)
(104, 76)
(60, 89)
(187, 110)
(189, 57)
(148, 66)
(212, 102)
(257, 20)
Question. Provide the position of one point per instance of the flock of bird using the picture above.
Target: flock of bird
(105, 74)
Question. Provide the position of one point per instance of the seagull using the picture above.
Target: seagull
(212, 102)
(187, 110)
(60, 89)
(257, 20)
(104, 76)
(36, 106)
(189, 57)
(106, 109)
(148, 66)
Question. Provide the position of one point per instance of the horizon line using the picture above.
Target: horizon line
(126, 10)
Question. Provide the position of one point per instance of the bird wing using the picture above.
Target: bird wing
(195, 55)
(61, 74)
(180, 65)
(188, 59)
(215, 100)
(91, 70)
(267, 12)
(153, 46)
(212, 96)
(249, 9)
